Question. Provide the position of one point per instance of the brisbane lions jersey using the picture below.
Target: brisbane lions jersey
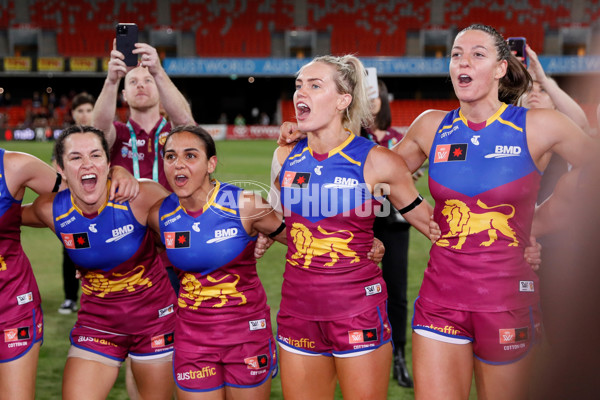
(20, 293)
(485, 184)
(329, 213)
(124, 283)
(214, 255)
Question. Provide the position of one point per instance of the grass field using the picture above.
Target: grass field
(247, 160)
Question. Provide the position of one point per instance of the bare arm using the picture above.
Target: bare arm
(415, 146)
(258, 216)
(150, 193)
(563, 102)
(175, 104)
(26, 171)
(387, 173)
(39, 213)
(549, 131)
(106, 105)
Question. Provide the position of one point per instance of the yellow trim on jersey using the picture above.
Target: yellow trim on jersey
(81, 212)
(211, 201)
(106, 203)
(460, 118)
(299, 154)
(117, 206)
(496, 115)
(172, 212)
(347, 157)
(339, 149)
(510, 124)
(67, 213)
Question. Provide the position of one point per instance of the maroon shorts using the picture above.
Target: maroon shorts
(497, 337)
(118, 346)
(21, 334)
(244, 365)
(341, 338)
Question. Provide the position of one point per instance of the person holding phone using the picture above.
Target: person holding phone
(137, 144)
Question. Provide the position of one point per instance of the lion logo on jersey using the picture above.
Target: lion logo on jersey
(308, 246)
(192, 289)
(464, 222)
(100, 286)
(2, 264)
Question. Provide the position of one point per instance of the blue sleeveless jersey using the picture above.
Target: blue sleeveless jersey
(125, 287)
(329, 214)
(485, 185)
(103, 242)
(214, 256)
(213, 239)
(19, 289)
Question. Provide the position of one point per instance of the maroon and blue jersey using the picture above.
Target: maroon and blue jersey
(220, 294)
(329, 213)
(485, 184)
(20, 294)
(121, 152)
(125, 288)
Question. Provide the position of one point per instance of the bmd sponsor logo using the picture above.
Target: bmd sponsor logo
(505, 151)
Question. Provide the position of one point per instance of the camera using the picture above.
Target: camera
(122, 29)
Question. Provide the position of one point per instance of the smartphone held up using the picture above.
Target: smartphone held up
(127, 37)
(372, 86)
(517, 46)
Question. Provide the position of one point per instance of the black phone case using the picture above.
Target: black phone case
(126, 43)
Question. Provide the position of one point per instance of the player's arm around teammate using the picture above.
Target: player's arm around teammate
(91, 371)
(19, 364)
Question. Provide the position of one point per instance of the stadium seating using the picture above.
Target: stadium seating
(243, 28)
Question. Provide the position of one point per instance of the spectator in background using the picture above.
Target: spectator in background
(264, 119)
(545, 93)
(393, 230)
(82, 107)
(222, 119)
(239, 120)
(81, 112)
(137, 145)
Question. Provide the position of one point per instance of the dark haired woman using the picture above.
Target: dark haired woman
(127, 306)
(478, 307)
(225, 346)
